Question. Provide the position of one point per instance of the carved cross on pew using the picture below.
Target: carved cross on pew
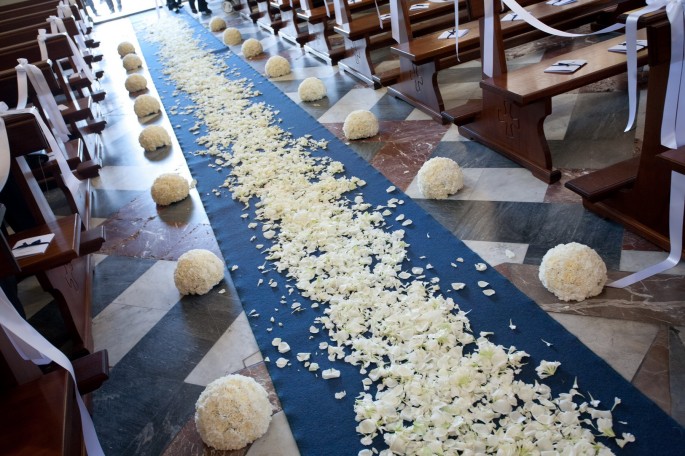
(509, 121)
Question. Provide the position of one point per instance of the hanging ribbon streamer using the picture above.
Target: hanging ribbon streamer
(673, 120)
(49, 137)
(4, 150)
(57, 26)
(328, 11)
(378, 11)
(32, 346)
(81, 66)
(456, 27)
(47, 101)
(531, 20)
(157, 7)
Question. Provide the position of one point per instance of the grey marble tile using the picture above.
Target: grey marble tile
(391, 108)
(470, 154)
(677, 366)
(278, 439)
(113, 276)
(106, 202)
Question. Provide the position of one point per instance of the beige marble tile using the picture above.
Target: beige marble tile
(308, 72)
(494, 253)
(253, 359)
(637, 260)
(32, 296)
(452, 134)
(361, 98)
(278, 439)
(417, 114)
(227, 355)
(556, 123)
(622, 344)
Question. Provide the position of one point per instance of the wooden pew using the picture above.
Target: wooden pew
(516, 103)
(249, 10)
(293, 28)
(362, 34)
(635, 192)
(270, 15)
(422, 58)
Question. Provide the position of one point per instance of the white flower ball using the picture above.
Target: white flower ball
(573, 272)
(154, 137)
(232, 412)
(277, 66)
(439, 178)
(360, 124)
(146, 105)
(169, 188)
(125, 48)
(197, 271)
(132, 62)
(135, 83)
(217, 24)
(311, 89)
(232, 36)
(251, 48)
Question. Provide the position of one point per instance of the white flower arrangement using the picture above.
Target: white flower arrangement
(169, 188)
(277, 66)
(311, 89)
(573, 272)
(135, 83)
(232, 36)
(153, 137)
(131, 62)
(251, 48)
(360, 124)
(146, 105)
(437, 387)
(124, 48)
(217, 24)
(232, 412)
(197, 271)
(439, 178)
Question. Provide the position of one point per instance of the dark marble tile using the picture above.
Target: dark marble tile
(632, 241)
(367, 150)
(652, 378)
(189, 443)
(578, 152)
(461, 74)
(112, 276)
(540, 225)
(470, 154)
(49, 323)
(558, 193)
(677, 365)
(105, 202)
(391, 108)
(590, 122)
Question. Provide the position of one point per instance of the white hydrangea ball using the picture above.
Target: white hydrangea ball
(277, 66)
(197, 271)
(135, 83)
(251, 48)
(232, 36)
(154, 137)
(169, 188)
(217, 24)
(573, 272)
(311, 89)
(232, 412)
(360, 124)
(146, 105)
(132, 62)
(125, 48)
(439, 178)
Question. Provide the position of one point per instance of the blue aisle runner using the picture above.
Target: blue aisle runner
(323, 425)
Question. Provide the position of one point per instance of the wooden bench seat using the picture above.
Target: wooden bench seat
(516, 103)
(364, 33)
(293, 28)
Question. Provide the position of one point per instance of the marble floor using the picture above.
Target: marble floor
(164, 348)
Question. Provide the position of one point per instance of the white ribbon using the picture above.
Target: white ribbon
(675, 233)
(64, 10)
(45, 97)
(531, 20)
(57, 26)
(456, 27)
(673, 120)
(328, 11)
(378, 11)
(81, 66)
(24, 336)
(4, 150)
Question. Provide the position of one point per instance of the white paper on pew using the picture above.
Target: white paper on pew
(32, 246)
(385, 17)
(452, 34)
(560, 2)
(17, 329)
(622, 49)
(565, 66)
(419, 6)
(439, 1)
(511, 17)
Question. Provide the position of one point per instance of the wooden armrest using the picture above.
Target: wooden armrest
(601, 183)
(91, 371)
(92, 240)
(675, 159)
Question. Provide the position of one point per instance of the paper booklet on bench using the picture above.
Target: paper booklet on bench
(621, 48)
(32, 246)
(560, 2)
(419, 6)
(565, 66)
(452, 34)
(511, 17)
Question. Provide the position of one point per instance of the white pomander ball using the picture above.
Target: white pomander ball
(125, 48)
(132, 62)
(573, 272)
(439, 178)
(232, 36)
(360, 124)
(232, 412)
(146, 105)
(251, 48)
(217, 24)
(154, 137)
(277, 66)
(169, 188)
(197, 271)
(135, 83)
(311, 89)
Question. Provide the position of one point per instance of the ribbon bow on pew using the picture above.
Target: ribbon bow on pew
(81, 65)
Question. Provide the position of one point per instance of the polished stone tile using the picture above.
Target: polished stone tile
(362, 98)
(471, 177)
(105, 202)
(677, 367)
(495, 253)
(636, 260)
(470, 154)
(556, 124)
(391, 108)
(508, 184)
(577, 152)
(653, 376)
(622, 344)
(277, 440)
(632, 241)
(32, 296)
(558, 193)
(113, 276)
